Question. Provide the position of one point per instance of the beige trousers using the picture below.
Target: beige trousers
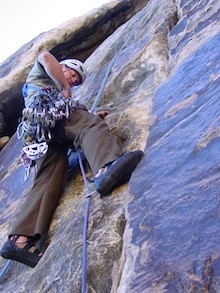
(87, 132)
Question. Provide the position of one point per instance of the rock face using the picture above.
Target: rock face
(76, 38)
(161, 232)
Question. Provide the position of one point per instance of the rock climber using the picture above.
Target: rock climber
(67, 123)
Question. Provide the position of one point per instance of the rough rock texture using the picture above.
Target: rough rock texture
(161, 232)
(76, 38)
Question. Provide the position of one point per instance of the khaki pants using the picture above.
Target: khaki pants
(87, 132)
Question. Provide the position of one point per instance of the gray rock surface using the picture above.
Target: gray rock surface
(160, 233)
(76, 38)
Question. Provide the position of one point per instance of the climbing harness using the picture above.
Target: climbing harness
(48, 107)
(39, 118)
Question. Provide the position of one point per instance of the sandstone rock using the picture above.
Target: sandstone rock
(161, 234)
(77, 38)
(2, 124)
(3, 141)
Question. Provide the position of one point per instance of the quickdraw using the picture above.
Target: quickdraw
(48, 106)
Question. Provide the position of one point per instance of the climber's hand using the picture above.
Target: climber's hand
(67, 93)
(102, 114)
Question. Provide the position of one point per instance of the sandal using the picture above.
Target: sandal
(28, 255)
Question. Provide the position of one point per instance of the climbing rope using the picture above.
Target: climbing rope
(85, 223)
(4, 270)
(80, 160)
(112, 63)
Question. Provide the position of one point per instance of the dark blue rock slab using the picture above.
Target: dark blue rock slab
(190, 25)
(175, 213)
(12, 183)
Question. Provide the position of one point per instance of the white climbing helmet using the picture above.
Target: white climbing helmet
(36, 151)
(76, 65)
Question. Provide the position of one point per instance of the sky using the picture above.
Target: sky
(23, 20)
